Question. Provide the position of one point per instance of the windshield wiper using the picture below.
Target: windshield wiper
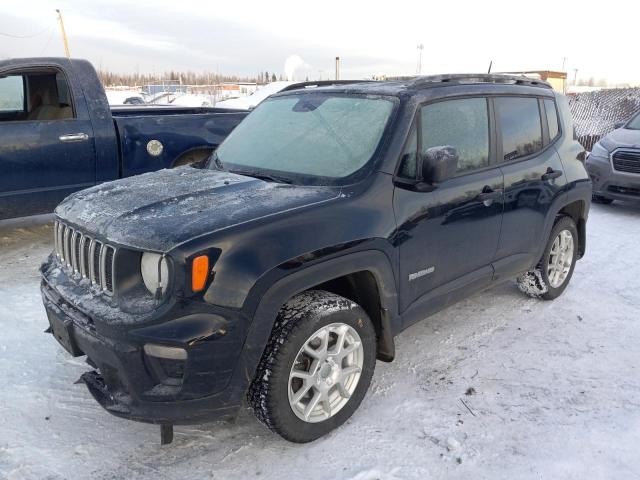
(264, 176)
(216, 160)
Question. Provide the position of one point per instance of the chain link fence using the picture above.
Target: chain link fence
(596, 113)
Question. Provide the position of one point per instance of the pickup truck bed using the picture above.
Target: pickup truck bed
(59, 135)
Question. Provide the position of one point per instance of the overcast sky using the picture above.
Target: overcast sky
(246, 36)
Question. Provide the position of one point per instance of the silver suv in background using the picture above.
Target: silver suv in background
(614, 164)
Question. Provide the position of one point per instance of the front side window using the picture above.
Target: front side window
(519, 122)
(11, 93)
(462, 124)
(308, 135)
(409, 165)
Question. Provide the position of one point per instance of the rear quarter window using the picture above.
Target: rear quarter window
(552, 118)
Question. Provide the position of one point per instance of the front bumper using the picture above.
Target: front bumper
(610, 183)
(130, 383)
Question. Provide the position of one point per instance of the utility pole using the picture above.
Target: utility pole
(337, 68)
(64, 34)
(419, 68)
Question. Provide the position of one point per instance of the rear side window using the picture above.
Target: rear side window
(552, 118)
(519, 122)
(462, 124)
(11, 93)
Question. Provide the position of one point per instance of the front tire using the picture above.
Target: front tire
(316, 368)
(554, 271)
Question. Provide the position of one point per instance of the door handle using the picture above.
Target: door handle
(551, 174)
(74, 137)
(488, 195)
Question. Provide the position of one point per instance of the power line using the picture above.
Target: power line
(48, 42)
(10, 35)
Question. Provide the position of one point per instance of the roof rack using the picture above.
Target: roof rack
(322, 83)
(469, 78)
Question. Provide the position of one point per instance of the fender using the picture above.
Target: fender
(265, 313)
(577, 193)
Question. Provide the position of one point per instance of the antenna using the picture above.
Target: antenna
(64, 34)
(490, 65)
(420, 49)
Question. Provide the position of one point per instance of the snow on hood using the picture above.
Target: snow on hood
(621, 137)
(159, 210)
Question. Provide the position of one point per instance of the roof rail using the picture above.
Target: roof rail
(467, 78)
(322, 83)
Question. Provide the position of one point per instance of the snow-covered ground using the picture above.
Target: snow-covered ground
(498, 386)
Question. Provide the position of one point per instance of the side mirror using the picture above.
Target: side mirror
(618, 125)
(438, 164)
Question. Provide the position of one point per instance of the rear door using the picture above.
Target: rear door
(527, 128)
(46, 142)
(448, 237)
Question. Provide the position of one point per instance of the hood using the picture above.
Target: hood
(159, 210)
(622, 137)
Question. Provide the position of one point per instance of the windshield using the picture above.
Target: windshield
(634, 124)
(307, 136)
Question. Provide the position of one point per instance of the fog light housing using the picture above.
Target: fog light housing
(166, 363)
(161, 351)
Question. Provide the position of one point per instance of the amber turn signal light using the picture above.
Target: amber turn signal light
(199, 273)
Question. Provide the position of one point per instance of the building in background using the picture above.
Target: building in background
(558, 80)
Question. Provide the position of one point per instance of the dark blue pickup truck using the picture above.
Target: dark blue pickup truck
(59, 135)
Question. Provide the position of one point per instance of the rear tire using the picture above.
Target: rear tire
(309, 382)
(554, 271)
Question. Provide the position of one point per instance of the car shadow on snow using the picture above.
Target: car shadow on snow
(627, 209)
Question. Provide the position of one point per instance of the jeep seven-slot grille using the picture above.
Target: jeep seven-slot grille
(626, 161)
(84, 256)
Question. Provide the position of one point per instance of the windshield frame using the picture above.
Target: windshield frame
(634, 118)
(318, 180)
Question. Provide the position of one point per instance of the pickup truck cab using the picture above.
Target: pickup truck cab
(330, 220)
(58, 134)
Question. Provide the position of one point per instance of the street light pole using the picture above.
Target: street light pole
(419, 69)
(64, 34)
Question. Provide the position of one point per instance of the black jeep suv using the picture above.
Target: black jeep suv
(332, 218)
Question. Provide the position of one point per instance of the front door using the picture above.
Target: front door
(46, 146)
(448, 237)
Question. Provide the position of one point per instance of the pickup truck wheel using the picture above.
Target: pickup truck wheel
(552, 275)
(316, 368)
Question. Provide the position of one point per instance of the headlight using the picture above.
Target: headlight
(599, 151)
(155, 271)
